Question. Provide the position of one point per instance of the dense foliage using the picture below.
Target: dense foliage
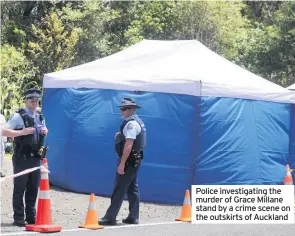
(38, 37)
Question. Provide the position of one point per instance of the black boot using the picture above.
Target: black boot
(130, 221)
(105, 221)
(20, 223)
(30, 221)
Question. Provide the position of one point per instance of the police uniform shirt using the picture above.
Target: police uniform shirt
(2, 124)
(16, 121)
(131, 129)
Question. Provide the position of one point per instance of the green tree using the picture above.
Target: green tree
(270, 48)
(16, 76)
(53, 46)
(90, 20)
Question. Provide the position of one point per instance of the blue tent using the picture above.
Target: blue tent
(208, 121)
(292, 143)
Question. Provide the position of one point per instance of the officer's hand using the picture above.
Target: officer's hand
(44, 131)
(121, 168)
(27, 131)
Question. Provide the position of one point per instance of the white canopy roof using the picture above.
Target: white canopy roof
(291, 87)
(180, 66)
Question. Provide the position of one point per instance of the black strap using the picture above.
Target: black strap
(21, 111)
(24, 116)
(124, 124)
(40, 116)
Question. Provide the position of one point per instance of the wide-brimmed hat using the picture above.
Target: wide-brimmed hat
(128, 102)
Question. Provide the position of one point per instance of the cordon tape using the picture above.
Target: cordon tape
(24, 172)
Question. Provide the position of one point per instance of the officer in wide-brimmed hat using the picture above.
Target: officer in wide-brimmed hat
(129, 145)
(26, 155)
(128, 103)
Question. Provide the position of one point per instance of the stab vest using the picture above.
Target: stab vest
(140, 141)
(25, 145)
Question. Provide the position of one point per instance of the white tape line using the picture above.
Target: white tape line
(19, 233)
(23, 173)
(143, 225)
(129, 226)
(106, 227)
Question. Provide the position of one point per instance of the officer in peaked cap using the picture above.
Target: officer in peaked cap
(130, 143)
(33, 93)
(4, 133)
(26, 155)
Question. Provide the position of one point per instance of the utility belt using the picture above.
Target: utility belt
(134, 158)
(39, 155)
(27, 154)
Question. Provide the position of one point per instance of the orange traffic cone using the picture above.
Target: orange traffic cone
(288, 178)
(91, 221)
(186, 213)
(43, 219)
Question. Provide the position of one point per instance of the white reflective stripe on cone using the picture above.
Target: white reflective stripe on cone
(187, 201)
(44, 175)
(91, 206)
(44, 194)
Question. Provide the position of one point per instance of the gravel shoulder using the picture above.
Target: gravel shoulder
(69, 209)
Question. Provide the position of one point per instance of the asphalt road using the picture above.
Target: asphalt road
(69, 211)
(178, 229)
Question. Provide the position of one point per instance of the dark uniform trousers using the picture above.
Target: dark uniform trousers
(126, 183)
(28, 184)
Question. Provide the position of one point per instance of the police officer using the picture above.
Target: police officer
(4, 132)
(129, 145)
(26, 155)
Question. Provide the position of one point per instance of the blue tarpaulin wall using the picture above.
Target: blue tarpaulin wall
(190, 141)
(243, 142)
(82, 125)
